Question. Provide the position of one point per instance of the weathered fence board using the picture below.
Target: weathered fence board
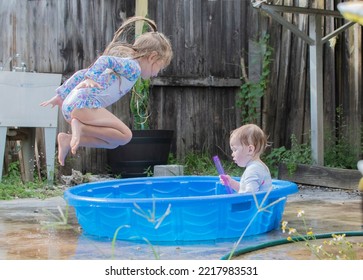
(322, 176)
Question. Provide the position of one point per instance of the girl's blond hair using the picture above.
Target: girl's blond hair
(251, 134)
(141, 46)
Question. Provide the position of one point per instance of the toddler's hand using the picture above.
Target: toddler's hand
(224, 179)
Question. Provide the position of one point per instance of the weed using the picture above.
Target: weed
(202, 164)
(298, 154)
(139, 104)
(339, 152)
(338, 248)
(149, 172)
(251, 92)
(156, 255)
(61, 221)
(12, 187)
(260, 208)
(114, 239)
(150, 216)
(273, 158)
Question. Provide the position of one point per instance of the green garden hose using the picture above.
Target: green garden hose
(285, 241)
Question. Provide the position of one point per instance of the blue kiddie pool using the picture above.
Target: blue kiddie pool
(178, 209)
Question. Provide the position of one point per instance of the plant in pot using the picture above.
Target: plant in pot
(148, 147)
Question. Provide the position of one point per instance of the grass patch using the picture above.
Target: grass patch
(202, 164)
(11, 186)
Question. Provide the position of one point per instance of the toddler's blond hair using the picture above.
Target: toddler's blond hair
(251, 134)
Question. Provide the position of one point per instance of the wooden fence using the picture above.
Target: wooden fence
(197, 94)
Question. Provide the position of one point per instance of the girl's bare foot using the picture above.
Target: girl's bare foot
(64, 146)
(76, 135)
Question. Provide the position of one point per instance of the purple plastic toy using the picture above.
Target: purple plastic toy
(220, 170)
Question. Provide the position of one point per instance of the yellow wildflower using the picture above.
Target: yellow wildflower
(318, 248)
(300, 213)
(292, 230)
(338, 237)
(283, 226)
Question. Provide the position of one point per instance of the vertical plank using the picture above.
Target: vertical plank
(281, 92)
(353, 95)
(297, 88)
(330, 77)
(6, 11)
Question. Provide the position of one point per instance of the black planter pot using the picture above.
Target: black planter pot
(146, 149)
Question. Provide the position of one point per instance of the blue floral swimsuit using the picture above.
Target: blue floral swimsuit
(116, 76)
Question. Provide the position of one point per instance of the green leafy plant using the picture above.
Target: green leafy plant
(249, 97)
(139, 104)
(273, 158)
(339, 151)
(201, 163)
(297, 154)
(149, 172)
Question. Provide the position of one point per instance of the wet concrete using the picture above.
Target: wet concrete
(326, 211)
(29, 229)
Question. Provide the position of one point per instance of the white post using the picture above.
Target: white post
(3, 131)
(316, 89)
(50, 134)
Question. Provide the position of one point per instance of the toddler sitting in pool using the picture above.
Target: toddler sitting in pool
(247, 143)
